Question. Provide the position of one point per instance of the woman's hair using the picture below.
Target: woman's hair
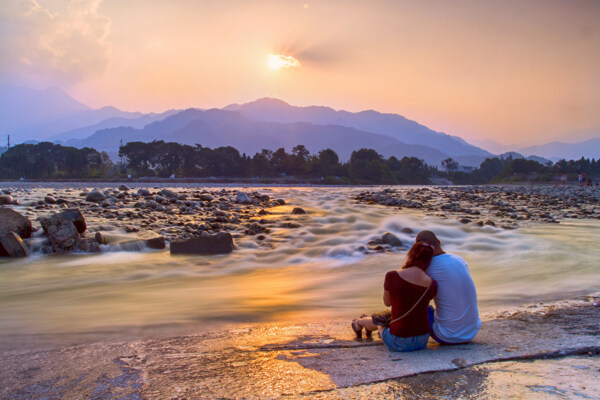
(419, 255)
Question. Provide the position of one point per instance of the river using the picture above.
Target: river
(306, 274)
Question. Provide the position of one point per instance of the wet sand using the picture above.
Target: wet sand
(533, 352)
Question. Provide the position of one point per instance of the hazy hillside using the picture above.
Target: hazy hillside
(570, 151)
(393, 125)
(86, 131)
(29, 114)
(215, 128)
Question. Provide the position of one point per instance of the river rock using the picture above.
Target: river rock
(220, 243)
(168, 193)
(206, 197)
(12, 221)
(75, 215)
(50, 200)
(95, 196)
(124, 188)
(11, 245)
(280, 202)
(61, 232)
(391, 239)
(6, 200)
(143, 192)
(156, 243)
(299, 210)
(242, 198)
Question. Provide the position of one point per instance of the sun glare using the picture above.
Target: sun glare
(278, 61)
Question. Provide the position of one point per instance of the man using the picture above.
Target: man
(455, 319)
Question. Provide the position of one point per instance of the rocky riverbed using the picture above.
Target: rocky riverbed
(209, 221)
(150, 215)
(503, 206)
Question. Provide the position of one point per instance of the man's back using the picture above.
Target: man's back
(456, 313)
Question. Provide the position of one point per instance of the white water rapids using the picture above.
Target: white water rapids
(310, 273)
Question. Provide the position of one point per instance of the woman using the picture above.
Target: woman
(408, 292)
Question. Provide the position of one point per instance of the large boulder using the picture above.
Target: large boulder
(220, 243)
(299, 210)
(11, 245)
(12, 221)
(95, 196)
(61, 232)
(124, 188)
(75, 215)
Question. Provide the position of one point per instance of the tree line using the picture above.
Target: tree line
(164, 159)
(365, 166)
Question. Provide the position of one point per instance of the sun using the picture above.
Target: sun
(278, 61)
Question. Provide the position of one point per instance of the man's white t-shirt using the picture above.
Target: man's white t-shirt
(456, 313)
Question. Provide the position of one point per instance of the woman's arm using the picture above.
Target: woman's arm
(386, 298)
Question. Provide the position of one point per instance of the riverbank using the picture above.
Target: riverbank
(321, 360)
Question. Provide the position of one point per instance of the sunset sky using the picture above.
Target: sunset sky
(518, 72)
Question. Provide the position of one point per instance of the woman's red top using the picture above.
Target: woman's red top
(404, 295)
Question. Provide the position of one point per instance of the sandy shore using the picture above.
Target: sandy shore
(520, 350)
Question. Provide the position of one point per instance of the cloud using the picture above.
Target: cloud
(50, 47)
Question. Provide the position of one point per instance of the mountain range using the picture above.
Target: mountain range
(266, 123)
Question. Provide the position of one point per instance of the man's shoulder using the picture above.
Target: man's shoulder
(447, 258)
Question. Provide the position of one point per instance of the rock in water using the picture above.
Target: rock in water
(12, 221)
(299, 210)
(391, 239)
(220, 243)
(6, 199)
(75, 215)
(95, 197)
(156, 243)
(242, 198)
(62, 233)
(11, 245)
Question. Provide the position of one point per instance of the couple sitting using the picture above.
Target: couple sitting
(429, 273)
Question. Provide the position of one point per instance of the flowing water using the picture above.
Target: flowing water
(310, 273)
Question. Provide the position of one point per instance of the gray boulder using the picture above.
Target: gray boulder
(61, 232)
(391, 239)
(299, 210)
(242, 198)
(220, 243)
(206, 197)
(11, 245)
(12, 221)
(75, 215)
(124, 188)
(95, 196)
(143, 192)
